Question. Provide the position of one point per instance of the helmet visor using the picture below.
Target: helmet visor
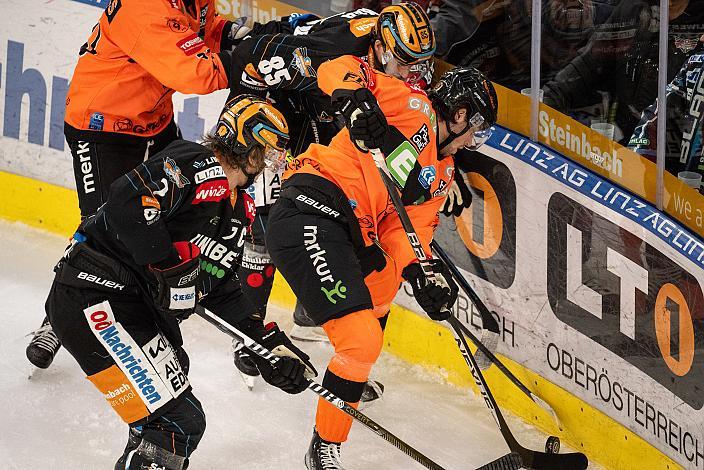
(479, 138)
(420, 72)
(274, 158)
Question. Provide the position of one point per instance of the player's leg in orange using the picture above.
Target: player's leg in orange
(357, 338)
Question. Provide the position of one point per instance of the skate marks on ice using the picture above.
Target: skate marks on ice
(58, 419)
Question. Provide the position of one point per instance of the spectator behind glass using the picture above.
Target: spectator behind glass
(617, 72)
(495, 36)
(685, 113)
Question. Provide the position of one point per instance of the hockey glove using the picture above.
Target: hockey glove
(436, 298)
(292, 370)
(176, 280)
(363, 117)
(458, 196)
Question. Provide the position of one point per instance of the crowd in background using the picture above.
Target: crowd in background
(599, 62)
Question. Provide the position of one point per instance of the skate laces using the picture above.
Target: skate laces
(45, 338)
(330, 456)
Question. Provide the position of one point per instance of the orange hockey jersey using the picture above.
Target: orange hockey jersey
(138, 54)
(411, 155)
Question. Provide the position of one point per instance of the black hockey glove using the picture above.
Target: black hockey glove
(292, 370)
(436, 298)
(176, 280)
(458, 196)
(363, 117)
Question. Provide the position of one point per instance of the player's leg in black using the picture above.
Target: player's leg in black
(95, 166)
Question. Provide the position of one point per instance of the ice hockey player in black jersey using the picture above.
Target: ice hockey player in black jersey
(169, 238)
(284, 65)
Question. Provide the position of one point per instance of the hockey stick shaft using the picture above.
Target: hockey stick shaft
(321, 391)
(488, 320)
(531, 459)
(480, 345)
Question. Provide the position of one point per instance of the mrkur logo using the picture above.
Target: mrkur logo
(329, 286)
(627, 296)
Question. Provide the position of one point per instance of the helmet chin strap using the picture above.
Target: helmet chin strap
(451, 135)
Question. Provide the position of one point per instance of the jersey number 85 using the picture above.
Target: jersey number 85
(274, 70)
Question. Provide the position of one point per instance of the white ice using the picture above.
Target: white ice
(58, 420)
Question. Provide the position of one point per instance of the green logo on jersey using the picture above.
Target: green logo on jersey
(339, 290)
(401, 162)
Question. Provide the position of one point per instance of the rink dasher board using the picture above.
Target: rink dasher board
(515, 278)
(582, 276)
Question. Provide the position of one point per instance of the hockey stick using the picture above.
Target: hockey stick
(486, 351)
(261, 351)
(531, 459)
(490, 327)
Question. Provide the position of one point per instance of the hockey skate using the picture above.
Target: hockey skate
(43, 346)
(304, 328)
(244, 364)
(371, 392)
(134, 438)
(323, 455)
(308, 333)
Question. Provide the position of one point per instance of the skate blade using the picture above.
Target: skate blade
(248, 380)
(33, 372)
(309, 334)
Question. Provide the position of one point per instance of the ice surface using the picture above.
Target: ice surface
(58, 420)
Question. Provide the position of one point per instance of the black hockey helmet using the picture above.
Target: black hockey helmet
(466, 88)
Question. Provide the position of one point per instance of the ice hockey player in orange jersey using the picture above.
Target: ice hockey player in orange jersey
(334, 234)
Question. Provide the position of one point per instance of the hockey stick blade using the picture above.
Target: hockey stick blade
(321, 391)
(532, 459)
(510, 461)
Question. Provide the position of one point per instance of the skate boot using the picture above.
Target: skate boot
(133, 440)
(371, 392)
(43, 346)
(323, 455)
(308, 333)
(244, 363)
(304, 328)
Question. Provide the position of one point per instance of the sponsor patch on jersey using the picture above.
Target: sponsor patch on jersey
(401, 162)
(427, 175)
(442, 189)
(367, 73)
(362, 26)
(97, 120)
(302, 62)
(191, 44)
(174, 173)
(164, 359)
(209, 174)
(151, 215)
(421, 138)
(354, 78)
(148, 201)
(250, 208)
(176, 26)
(251, 78)
(112, 9)
(211, 191)
(128, 356)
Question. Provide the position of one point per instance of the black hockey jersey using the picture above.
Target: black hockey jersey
(286, 65)
(180, 194)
